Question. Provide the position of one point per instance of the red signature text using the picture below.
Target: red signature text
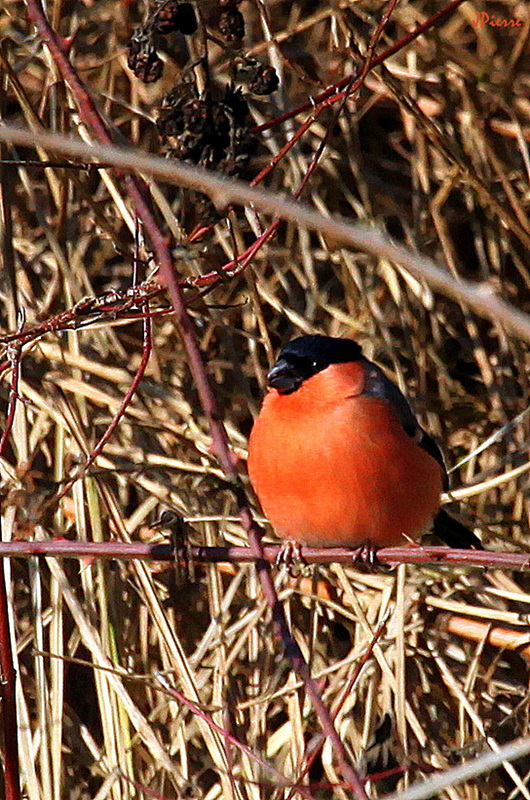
(484, 18)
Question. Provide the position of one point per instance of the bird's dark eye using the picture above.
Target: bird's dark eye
(307, 366)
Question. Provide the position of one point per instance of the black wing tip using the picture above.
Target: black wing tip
(454, 533)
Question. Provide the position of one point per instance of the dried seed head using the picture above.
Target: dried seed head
(264, 80)
(196, 116)
(260, 78)
(170, 120)
(236, 103)
(200, 130)
(143, 59)
(231, 24)
(174, 16)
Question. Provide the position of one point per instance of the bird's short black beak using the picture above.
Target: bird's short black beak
(284, 377)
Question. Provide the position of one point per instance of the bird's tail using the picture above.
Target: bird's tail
(453, 533)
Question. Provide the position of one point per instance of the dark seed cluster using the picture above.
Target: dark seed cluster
(143, 58)
(200, 130)
(257, 77)
(208, 126)
(173, 17)
(231, 24)
(169, 16)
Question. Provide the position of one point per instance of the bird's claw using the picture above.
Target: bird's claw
(365, 555)
(290, 558)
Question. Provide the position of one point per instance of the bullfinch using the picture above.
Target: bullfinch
(337, 457)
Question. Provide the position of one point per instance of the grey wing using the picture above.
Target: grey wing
(378, 385)
(430, 446)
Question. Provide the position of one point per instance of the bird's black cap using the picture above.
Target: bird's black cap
(307, 355)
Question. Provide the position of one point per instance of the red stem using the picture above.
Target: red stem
(391, 556)
(88, 310)
(352, 85)
(7, 693)
(7, 671)
(139, 196)
(14, 359)
(333, 93)
(317, 746)
(181, 698)
(146, 354)
(318, 104)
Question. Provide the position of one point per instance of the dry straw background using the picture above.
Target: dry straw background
(434, 149)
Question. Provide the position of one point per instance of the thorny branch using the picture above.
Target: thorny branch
(389, 556)
(139, 196)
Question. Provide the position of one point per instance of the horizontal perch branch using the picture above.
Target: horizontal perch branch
(390, 556)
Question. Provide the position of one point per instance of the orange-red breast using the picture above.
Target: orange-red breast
(337, 457)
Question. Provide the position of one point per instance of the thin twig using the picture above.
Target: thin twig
(480, 297)
(196, 709)
(464, 772)
(96, 451)
(354, 83)
(334, 93)
(13, 356)
(7, 693)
